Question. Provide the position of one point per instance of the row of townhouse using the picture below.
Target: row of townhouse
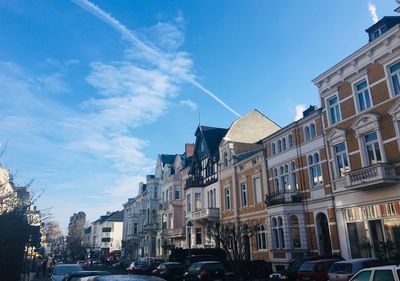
(327, 183)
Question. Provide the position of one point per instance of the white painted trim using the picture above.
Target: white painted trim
(354, 91)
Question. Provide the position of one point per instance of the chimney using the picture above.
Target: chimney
(189, 149)
(309, 110)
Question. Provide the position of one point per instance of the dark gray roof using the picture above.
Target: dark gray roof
(167, 158)
(116, 216)
(212, 137)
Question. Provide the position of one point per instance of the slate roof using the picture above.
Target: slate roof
(212, 137)
(116, 216)
(167, 158)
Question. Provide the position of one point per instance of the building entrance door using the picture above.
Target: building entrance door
(324, 239)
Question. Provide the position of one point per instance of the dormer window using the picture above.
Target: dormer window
(379, 32)
(225, 159)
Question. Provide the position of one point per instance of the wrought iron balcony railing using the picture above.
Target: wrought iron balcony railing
(284, 197)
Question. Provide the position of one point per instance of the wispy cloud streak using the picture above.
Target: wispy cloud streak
(372, 11)
(166, 62)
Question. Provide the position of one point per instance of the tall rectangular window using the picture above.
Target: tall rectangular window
(135, 228)
(362, 95)
(373, 152)
(197, 201)
(188, 203)
(243, 194)
(342, 163)
(177, 192)
(198, 236)
(257, 190)
(227, 199)
(334, 110)
(395, 77)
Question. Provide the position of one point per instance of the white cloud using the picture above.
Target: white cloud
(191, 104)
(299, 111)
(175, 64)
(372, 11)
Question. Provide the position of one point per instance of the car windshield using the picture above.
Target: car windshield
(306, 267)
(62, 270)
(341, 268)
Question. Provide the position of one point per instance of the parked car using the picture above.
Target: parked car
(378, 273)
(205, 271)
(290, 273)
(170, 271)
(76, 276)
(121, 278)
(344, 270)
(197, 258)
(139, 267)
(248, 270)
(60, 270)
(316, 270)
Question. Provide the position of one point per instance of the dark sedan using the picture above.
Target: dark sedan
(205, 271)
(139, 267)
(170, 271)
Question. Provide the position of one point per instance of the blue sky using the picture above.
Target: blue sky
(91, 92)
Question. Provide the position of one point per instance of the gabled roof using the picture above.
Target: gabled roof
(212, 137)
(244, 155)
(167, 158)
(116, 216)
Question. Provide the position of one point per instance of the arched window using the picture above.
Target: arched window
(276, 180)
(261, 238)
(225, 159)
(293, 177)
(290, 140)
(307, 134)
(315, 170)
(313, 131)
(279, 146)
(273, 148)
(285, 177)
(278, 241)
(284, 144)
(295, 231)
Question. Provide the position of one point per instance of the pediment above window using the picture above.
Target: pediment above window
(336, 136)
(366, 123)
(395, 110)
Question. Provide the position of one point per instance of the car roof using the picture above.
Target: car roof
(358, 260)
(383, 267)
(67, 265)
(171, 262)
(205, 262)
(132, 277)
(322, 260)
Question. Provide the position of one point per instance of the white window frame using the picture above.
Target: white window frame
(312, 166)
(389, 75)
(188, 202)
(328, 109)
(338, 173)
(356, 92)
(273, 148)
(227, 196)
(261, 238)
(290, 140)
(395, 112)
(244, 198)
(257, 198)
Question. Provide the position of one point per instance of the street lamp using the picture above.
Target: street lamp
(189, 225)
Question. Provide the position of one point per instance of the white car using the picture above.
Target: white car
(379, 273)
(60, 270)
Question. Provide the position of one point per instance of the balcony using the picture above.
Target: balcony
(207, 214)
(200, 181)
(285, 197)
(371, 176)
(176, 232)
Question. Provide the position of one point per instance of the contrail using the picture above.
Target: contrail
(154, 55)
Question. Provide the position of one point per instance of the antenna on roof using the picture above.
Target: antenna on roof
(199, 118)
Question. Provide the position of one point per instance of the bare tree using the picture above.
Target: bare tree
(233, 238)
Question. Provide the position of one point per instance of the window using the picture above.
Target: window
(273, 148)
(295, 231)
(243, 193)
(284, 172)
(284, 144)
(373, 152)
(198, 236)
(135, 229)
(307, 134)
(197, 201)
(276, 180)
(279, 146)
(313, 131)
(293, 184)
(362, 96)
(278, 241)
(383, 275)
(315, 169)
(342, 163)
(261, 238)
(225, 159)
(395, 78)
(333, 110)
(378, 32)
(363, 276)
(227, 199)
(188, 203)
(257, 190)
(177, 192)
(290, 141)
